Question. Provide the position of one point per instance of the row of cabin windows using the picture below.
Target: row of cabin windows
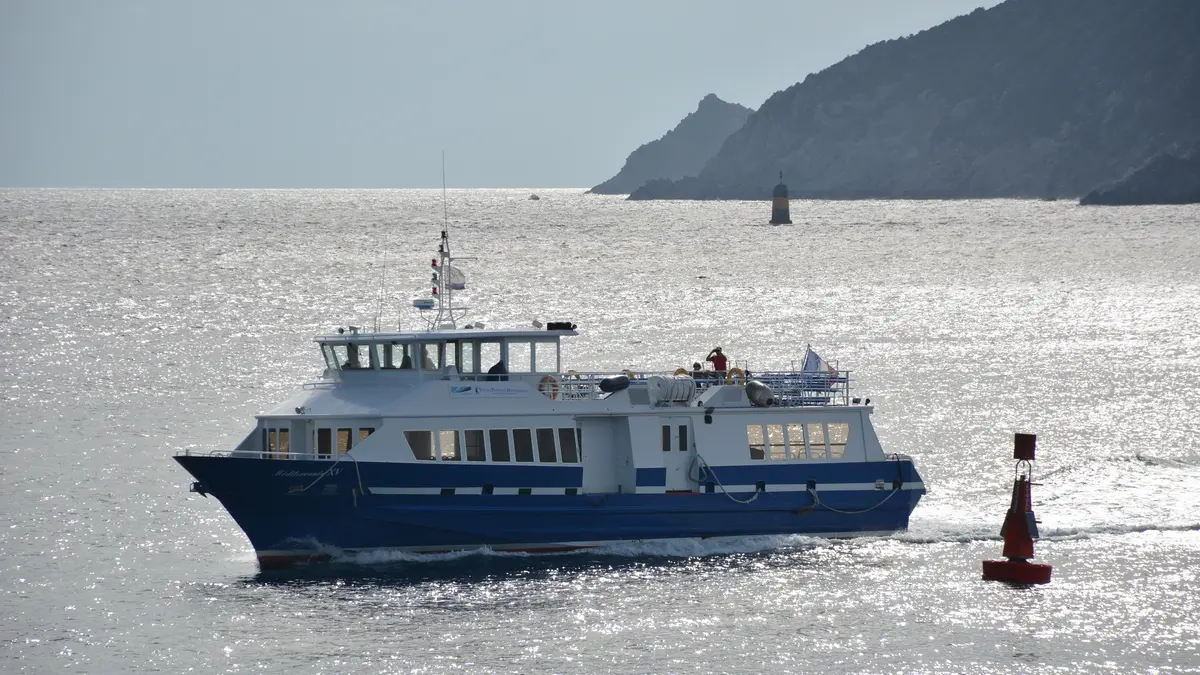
(468, 356)
(277, 441)
(501, 445)
(814, 440)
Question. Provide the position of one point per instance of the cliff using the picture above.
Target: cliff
(1165, 179)
(1031, 98)
(682, 151)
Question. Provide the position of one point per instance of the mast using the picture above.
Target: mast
(446, 279)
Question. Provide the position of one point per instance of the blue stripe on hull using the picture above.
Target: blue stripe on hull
(263, 497)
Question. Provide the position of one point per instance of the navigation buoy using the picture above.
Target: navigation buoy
(1020, 525)
(779, 204)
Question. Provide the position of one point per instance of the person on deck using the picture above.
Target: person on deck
(720, 363)
(698, 372)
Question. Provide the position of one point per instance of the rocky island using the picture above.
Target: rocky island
(682, 151)
(1026, 99)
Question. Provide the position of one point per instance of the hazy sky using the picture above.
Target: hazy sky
(367, 93)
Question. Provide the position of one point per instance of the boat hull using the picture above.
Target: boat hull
(295, 511)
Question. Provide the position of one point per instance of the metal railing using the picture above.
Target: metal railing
(791, 388)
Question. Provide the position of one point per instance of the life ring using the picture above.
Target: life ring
(735, 373)
(572, 374)
(548, 386)
(682, 371)
(629, 373)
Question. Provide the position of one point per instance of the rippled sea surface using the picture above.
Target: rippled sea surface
(139, 323)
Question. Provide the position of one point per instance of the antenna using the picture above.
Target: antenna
(446, 209)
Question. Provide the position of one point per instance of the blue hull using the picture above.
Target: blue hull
(290, 511)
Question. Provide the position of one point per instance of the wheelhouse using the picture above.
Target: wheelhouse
(468, 353)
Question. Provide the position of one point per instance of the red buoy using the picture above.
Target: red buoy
(1020, 525)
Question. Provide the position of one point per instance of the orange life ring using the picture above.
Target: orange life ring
(629, 373)
(548, 386)
(682, 371)
(735, 372)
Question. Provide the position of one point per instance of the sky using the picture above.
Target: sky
(369, 93)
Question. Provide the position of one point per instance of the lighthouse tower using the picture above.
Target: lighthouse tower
(779, 204)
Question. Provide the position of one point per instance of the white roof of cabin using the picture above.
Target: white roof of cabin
(441, 336)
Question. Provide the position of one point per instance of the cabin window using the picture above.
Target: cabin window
(373, 357)
(448, 442)
(474, 443)
(421, 443)
(363, 432)
(778, 446)
(795, 437)
(683, 438)
(324, 443)
(545, 357)
(344, 440)
(839, 436)
(816, 440)
(570, 453)
(666, 441)
(449, 353)
(499, 441)
(546, 449)
(429, 357)
(523, 445)
(519, 358)
(754, 437)
(277, 443)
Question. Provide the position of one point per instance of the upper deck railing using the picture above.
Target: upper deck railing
(790, 388)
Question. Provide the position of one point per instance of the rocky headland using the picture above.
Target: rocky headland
(682, 151)
(1030, 98)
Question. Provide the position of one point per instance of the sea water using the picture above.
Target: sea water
(139, 323)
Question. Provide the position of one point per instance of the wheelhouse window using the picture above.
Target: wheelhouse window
(363, 432)
(545, 357)
(467, 363)
(421, 443)
(666, 437)
(547, 453)
(499, 441)
(344, 440)
(489, 357)
(754, 438)
(431, 356)
(519, 358)
(566, 439)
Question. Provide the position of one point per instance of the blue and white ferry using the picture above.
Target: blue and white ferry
(461, 437)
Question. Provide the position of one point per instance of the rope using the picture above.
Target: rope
(817, 502)
(708, 471)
